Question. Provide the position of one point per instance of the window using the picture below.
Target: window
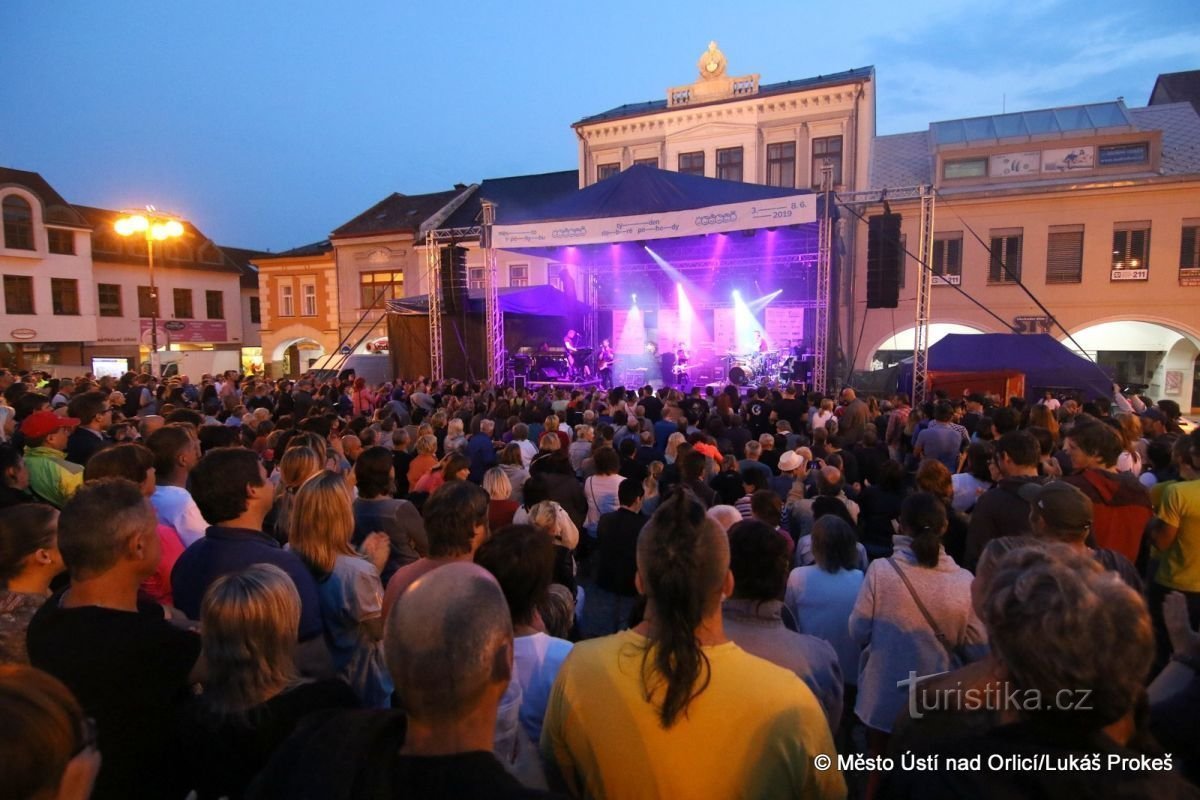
(376, 288)
(1114, 154)
(18, 223)
(1131, 251)
(183, 303)
(1004, 265)
(826, 149)
(965, 168)
(947, 258)
(729, 164)
(1064, 254)
(108, 296)
(475, 278)
(60, 241)
(255, 311)
(1189, 253)
(18, 294)
(781, 164)
(308, 299)
(214, 304)
(691, 163)
(606, 171)
(64, 296)
(518, 275)
(147, 303)
(646, 162)
(286, 308)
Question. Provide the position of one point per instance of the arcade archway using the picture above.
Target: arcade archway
(1154, 355)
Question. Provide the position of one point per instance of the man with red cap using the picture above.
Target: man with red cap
(51, 476)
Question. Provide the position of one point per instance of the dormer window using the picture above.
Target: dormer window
(18, 223)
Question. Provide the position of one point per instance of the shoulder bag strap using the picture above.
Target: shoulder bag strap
(937, 631)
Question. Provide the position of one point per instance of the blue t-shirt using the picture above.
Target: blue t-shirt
(941, 442)
(224, 550)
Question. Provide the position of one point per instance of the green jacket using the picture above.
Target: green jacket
(51, 476)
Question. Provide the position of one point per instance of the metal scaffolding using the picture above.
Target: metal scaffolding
(824, 269)
(433, 261)
(924, 298)
(492, 313)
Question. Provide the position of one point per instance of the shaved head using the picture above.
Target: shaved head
(447, 640)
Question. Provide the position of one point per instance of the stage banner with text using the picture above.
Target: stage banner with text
(795, 210)
(785, 323)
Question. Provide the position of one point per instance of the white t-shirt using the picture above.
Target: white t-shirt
(175, 507)
(601, 493)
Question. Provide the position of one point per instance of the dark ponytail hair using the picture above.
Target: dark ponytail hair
(679, 564)
(24, 529)
(923, 517)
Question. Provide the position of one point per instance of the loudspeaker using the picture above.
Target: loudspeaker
(454, 279)
(884, 261)
(519, 382)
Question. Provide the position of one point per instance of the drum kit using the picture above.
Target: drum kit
(770, 366)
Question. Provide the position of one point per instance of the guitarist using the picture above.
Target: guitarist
(604, 363)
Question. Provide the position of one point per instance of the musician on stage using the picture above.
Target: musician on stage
(760, 344)
(571, 345)
(604, 363)
(682, 357)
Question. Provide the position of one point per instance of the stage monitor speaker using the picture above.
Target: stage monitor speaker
(454, 279)
(884, 261)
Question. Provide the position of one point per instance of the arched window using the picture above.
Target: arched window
(18, 223)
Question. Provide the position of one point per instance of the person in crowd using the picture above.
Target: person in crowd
(913, 614)
(47, 743)
(1061, 513)
(829, 484)
(299, 463)
(90, 436)
(601, 488)
(1121, 505)
(1175, 533)
(651, 494)
(682, 690)
(520, 437)
(14, 477)
(724, 515)
(1001, 510)
(822, 595)
(481, 450)
(376, 510)
(1059, 621)
(232, 492)
(501, 507)
(454, 467)
(692, 466)
(456, 438)
(135, 462)
(521, 558)
(793, 469)
(933, 477)
(348, 585)
(456, 523)
(424, 461)
(879, 509)
(52, 478)
(127, 664)
(1174, 694)
(513, 465)
(29, 561)
(753, 616)
(176, 453)
(450, 689)
(970, 484)
(942, 440)
(612, 598)
(753, 460)
(852, 424)
(254, 696)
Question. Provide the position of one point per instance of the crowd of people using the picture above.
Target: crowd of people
(246, 587)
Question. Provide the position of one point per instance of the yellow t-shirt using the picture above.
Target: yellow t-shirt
(752, 732)
(1179, 566)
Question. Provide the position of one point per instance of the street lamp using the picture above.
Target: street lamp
(155, 227)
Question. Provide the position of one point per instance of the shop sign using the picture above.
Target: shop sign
(1068, 158)
(23, 333)
(1032, 324)
(1130, 275)
(1124, 154)
(1189, 277)
(193, 331)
